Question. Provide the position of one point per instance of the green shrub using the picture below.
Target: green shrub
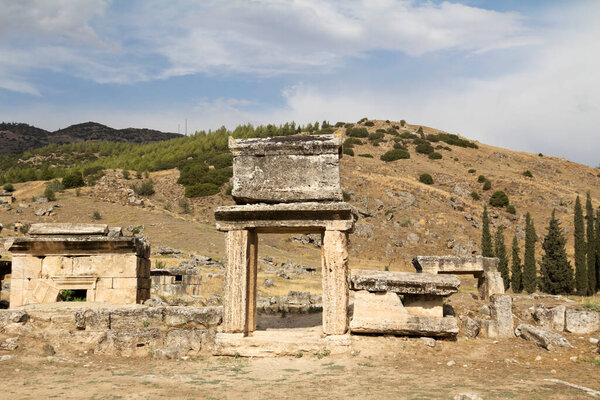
(400, 146)
(346, 196)
(395, 154)
(541, 155)
(351, 141)
(73, 180)
(402, 123)
(229, 190)
(435, 156)
(201, 190)
(369, 123)
(511, 209)
(357, 132)
(528, 174)
(49, 194)
(452, 140)
(92, 170)
(408, 135)
(339, 124)
(481, 179)
(424, 148)
(376, 135)
(381, 130)
(55, 185)
(363, 120)
(96, 216)
(138, 174)
(144, 189)
(426, 179)
(348, 151)
(348, 126)
(475, 196)
(146, 174)
(420, 131)
(387, 121)
(487, 185)
(8, 187)
(432, 138)
(184, 204)
(366, 155)
(499, 199)
(472, 171)
(125, 174)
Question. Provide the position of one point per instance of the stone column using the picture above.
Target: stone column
(239, 302)
(334, 253)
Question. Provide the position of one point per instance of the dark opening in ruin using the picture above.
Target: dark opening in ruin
(178, 278)
(73, 295)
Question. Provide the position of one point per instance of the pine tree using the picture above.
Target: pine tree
(516, 279)
(529, 269)
(591, 246)
(581, 278)
(556, 273)
(486, 237)
(500, 252)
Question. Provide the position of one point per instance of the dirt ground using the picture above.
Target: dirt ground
(378, 367)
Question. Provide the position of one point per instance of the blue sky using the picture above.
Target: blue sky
(518, 74)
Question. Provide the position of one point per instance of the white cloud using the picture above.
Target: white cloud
(88, 39)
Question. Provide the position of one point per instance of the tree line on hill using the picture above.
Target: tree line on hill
(555, 275)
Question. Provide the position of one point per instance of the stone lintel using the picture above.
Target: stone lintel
(68, 229)
(286, 145)
(455, 264)
(286, 217)
(412, 325)
(404, 283)
(78, 245)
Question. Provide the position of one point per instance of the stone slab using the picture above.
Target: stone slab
(455, 264)
(68, 229)
(404, 282)
(79, 245)
(582, 322)
(286, 168)
(279, 342)
(295, 217)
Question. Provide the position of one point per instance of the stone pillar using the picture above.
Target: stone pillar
(239, 302)
(334, 253)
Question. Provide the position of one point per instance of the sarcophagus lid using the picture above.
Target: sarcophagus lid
(287, 169)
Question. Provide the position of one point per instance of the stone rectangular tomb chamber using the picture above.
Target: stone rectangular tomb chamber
(402, 303)
(82, 258)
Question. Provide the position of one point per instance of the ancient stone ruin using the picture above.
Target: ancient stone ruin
(94, 262)
(285, 185)
(485, 269)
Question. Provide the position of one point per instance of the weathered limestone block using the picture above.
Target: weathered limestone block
(553, 317)
(469, 327)
(335, 282)
(239, 309)
(194, 317)
(582, 322)
(68, 229)
(542, 337)
(92, 319)
(56, 266)
(455, 264)
(133, 318)
(501, 324)
(24, 267)
(306, 216)
(286, 169)
(404, 283)
(108, 265)
(490, 283)
(383, 312)
(190, 341)
(118, 296)
(424, 305)
(130, 343)
(45, 292)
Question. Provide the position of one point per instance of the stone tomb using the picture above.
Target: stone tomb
(485, 269)
(6, 198)
(298, 176)
(82, 257)
(402, 303)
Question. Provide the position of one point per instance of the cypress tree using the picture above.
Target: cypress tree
(529, 269)
(486, 237)
(516, 279)
(581, 278)
(500, 252)
(597, 249)
(556, 273)
(591, 245)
